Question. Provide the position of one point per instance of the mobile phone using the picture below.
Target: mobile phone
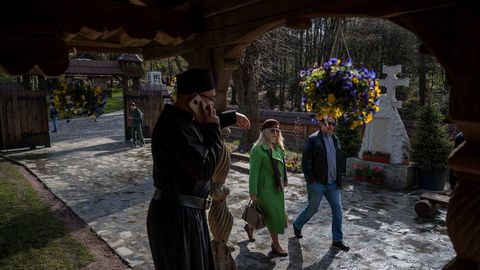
(195, 104)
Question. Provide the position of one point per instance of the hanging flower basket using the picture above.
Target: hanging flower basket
(342, 91)
(79, 98)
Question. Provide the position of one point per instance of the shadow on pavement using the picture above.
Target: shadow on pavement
(253, 260)
(326, 261)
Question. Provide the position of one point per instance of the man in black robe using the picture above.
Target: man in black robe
(186, 145)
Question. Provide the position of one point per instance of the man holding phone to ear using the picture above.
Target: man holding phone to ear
(186, 145)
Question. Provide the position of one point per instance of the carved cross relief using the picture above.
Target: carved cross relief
(391, 82)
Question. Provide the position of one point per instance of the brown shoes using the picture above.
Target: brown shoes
(278, 252)
(249, 233)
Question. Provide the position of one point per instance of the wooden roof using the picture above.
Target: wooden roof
(93, 67)
(43, 31)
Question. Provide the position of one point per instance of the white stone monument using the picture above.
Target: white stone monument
(386, 132)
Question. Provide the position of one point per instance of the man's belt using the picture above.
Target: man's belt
(186, 200)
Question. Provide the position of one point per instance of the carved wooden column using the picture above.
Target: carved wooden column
(453, 36)
(463, 216)
(220, 219)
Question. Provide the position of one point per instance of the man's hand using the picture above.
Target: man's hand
(210, 115)
(253, 197)
(242, 121)
(130, 117)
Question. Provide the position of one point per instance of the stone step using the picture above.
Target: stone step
(240, 156)
(240, 166)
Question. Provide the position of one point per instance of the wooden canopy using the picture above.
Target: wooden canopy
(41, 32)
(213, 34)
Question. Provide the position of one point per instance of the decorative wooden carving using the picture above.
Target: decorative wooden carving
(220, 219)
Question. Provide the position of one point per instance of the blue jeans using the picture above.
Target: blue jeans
(54, 123)
(315, 193)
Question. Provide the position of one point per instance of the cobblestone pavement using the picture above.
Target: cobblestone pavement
(109, 185)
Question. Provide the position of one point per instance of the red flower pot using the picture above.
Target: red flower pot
(360, 178)
(376, 180)
(379, 159)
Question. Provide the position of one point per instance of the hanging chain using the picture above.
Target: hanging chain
(340, 33)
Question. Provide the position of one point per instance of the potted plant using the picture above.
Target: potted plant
(376, 156)
(430, 148)
(360, 173)
(377, 175)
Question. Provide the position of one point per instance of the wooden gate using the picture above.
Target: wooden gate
(150, 103)
(23, 119)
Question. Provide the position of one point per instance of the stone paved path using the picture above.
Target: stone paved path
(108, 184)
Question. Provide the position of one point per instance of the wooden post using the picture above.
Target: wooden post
(215, 60)
(459, 56)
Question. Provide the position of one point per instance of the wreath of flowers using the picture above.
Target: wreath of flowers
(79, 98)
(342, 91)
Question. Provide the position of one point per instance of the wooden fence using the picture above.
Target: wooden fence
(23, 119)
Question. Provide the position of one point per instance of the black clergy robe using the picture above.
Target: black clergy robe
(184, 158)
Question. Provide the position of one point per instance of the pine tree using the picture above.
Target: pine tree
(430, 145)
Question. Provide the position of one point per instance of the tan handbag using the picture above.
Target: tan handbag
(253, 215)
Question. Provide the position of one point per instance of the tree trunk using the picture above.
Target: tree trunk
(422, 79)
(246, 82)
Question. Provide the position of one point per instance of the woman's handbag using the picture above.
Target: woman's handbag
(253, 215)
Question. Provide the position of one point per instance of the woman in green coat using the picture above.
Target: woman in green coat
(267, 180)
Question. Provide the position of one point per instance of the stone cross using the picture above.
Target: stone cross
(386, 132)
(391, 82)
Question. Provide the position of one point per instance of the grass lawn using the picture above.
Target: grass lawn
(115, 103)
(30, 236)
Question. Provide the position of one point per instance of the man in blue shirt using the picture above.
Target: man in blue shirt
(321, 168)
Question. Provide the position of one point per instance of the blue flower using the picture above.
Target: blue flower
(310, 71)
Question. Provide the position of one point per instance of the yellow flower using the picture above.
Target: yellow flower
(308, 106)
(355, 124)
(331, 98)
(338, 113)
(368, 118)
(378, 91)
(56, 99)
(355, 80)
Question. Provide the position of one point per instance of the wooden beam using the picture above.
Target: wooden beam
(315, 8)
(238, 35)
(99, 15)
(18, 56)
(212, 8)
(248, 22)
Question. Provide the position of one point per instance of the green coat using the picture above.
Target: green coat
(262, 184)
